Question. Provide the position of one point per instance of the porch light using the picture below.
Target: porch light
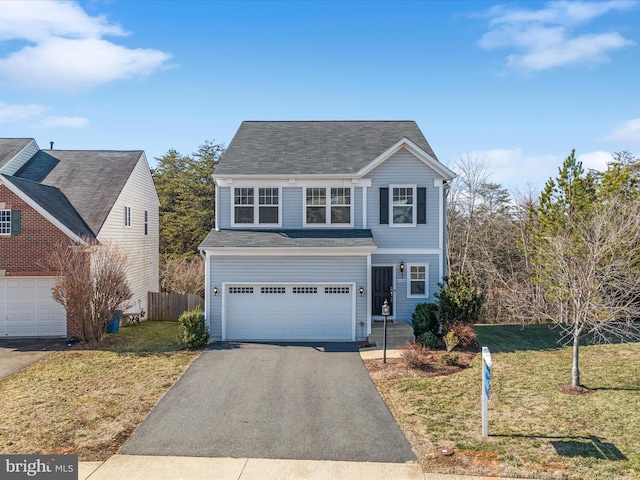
(215, 291)
(401, 267)
(361, 291)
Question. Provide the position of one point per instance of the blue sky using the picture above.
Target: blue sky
(517, 85)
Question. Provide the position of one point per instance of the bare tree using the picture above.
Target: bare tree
(182, 275)
(91, 286)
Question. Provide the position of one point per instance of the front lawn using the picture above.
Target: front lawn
(535, 430)
(88, 400)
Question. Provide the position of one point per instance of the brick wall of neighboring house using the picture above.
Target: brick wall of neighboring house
(26, 254)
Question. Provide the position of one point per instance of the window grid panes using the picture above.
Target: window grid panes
(316, 205)
(340, 205)
(403, 205)
(5, 222)
(418, 278)
(243, 202)
(268, 200)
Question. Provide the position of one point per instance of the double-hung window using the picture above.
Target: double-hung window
(328, 206)
(5, 222)
(418, 280)
(403, 205)
(256, 206)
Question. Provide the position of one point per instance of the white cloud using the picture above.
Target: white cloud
(35, 115)
(595, 160)
(547, 38)
(70, 122)
(511, 167)
(65, 48)
(15, 112)
(628, 132)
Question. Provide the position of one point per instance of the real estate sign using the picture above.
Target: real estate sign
(486, 389)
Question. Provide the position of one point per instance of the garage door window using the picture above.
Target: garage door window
(273, 290)
(307, 290)
(336, 290)
(236, 290)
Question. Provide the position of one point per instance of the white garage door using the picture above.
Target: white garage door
(289, 312)
(27, 309)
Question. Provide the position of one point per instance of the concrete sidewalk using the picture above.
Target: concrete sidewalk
(139, 467)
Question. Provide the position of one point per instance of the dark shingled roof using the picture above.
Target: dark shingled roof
(313, 147)
(91, 180)
(10, 147)
(54, 202)
(294, 238)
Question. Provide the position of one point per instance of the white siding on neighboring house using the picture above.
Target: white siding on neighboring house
(13, 165)
(139, 194)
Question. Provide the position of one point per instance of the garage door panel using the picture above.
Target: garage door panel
(28, 309)
(289, 312)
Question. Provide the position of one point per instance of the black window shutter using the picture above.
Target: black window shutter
(15, 222)
(384, 205)
(422, 205)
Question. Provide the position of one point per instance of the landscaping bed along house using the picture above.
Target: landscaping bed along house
(536, 429)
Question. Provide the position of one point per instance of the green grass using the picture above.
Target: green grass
(149, 336)
(535, 430)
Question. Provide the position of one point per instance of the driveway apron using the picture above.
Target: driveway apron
(286, 401)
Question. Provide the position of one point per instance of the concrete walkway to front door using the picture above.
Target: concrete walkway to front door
(278, 401)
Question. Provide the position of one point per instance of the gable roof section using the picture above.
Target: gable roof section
(10, 147)
(91, 180)
(288, 239)
(51, 200)
(314, 147)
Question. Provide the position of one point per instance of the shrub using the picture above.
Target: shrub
(450, 359)
(451, 340)
(465, 333)
(425, 319)
(193, 331)
(459, 300)
(427, 339)
(417, 356)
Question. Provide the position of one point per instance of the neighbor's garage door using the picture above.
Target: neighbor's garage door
(28, 310)
(289, 312)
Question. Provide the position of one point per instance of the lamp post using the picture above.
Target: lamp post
(386, 311)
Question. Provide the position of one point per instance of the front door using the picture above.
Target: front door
(382, 280)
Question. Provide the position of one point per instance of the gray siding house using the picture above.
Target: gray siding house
(317, 224)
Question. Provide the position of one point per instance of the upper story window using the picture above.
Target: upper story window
(5, 222)
(146, 222)
(403, 206)
(328, 206)
(127, 216)
(265, 212)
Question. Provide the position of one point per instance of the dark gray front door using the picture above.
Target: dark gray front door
(382, 280)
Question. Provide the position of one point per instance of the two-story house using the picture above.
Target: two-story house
(48, 197)
(317, 223)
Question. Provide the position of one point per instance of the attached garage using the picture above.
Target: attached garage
(289, 312)
(28, 310)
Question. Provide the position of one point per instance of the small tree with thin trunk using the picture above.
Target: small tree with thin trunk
(91, 286)
(585, 256)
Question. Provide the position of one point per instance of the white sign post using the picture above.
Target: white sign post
(486, 389)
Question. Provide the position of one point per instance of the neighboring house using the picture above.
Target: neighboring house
(53, 196)
(317, 223)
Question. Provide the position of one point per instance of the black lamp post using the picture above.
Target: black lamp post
(386, 311)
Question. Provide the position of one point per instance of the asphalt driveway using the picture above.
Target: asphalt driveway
(286, 401)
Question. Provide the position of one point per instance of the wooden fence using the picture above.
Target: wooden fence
(169, 306)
